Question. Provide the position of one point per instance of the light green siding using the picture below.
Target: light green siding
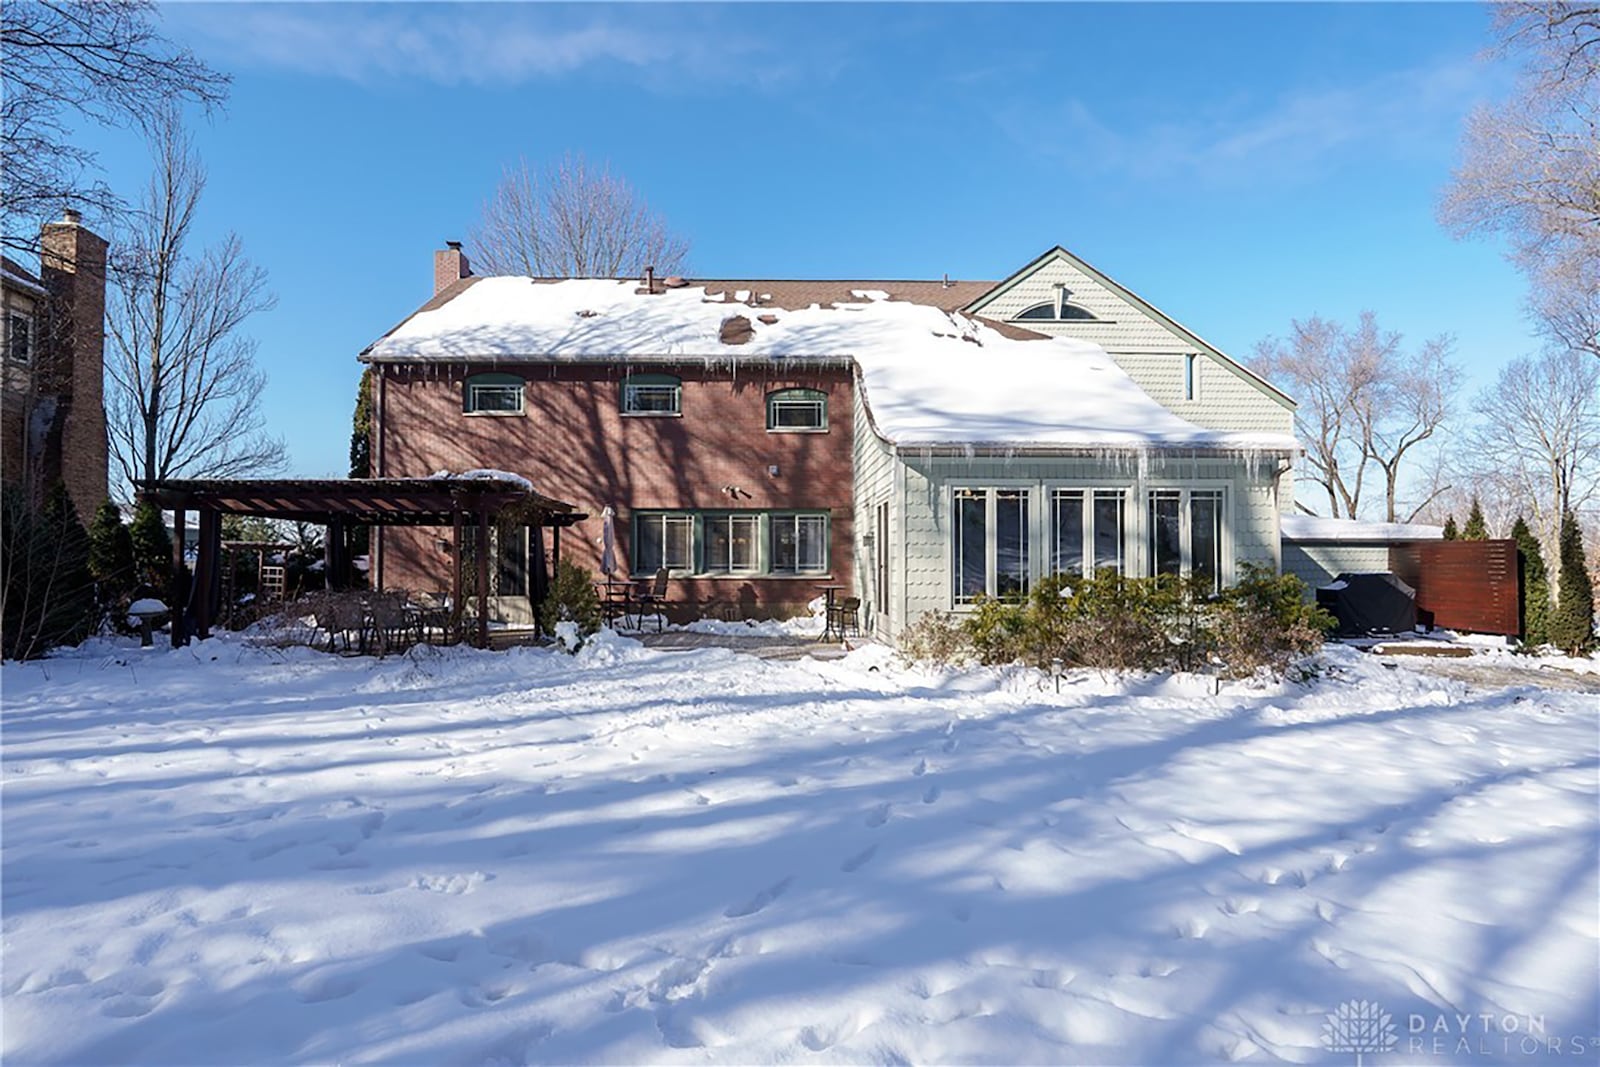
(1227, 397)
(874, 468)
(1250, 509)
(1320, 562)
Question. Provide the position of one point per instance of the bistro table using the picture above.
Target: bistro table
(829, 630)
(616, 598)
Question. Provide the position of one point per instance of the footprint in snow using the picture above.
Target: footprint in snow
(931, 794)
(760, 901)
(859, 860)
(921, 768)
(878, 816)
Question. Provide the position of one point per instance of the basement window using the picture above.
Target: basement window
(492, 394)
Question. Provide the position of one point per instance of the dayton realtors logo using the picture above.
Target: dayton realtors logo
(1361, 1027)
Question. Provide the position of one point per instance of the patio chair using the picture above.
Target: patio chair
(347, 616)
(393, 625)
(846, 616)
(654, 600)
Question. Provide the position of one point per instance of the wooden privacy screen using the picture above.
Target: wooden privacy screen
(1463, 585)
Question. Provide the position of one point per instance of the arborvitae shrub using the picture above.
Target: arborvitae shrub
(1535, 587)
(1572, 625)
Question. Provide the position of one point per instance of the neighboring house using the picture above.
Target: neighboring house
(919, 443)
(52, 410)
(1318, 550)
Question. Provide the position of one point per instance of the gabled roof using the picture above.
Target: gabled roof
(931, 376)
(1189, 336)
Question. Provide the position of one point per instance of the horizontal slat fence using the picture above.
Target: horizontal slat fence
(1463, 585)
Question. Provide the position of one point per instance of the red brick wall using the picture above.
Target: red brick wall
(573, 443)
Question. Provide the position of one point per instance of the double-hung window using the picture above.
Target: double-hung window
(652, 394)
(1184, 533)
(800, 543)
(990, 543)
(797, 411)
(493, 394)
(663, 539)
(1086, 530)
(733, 543)
(19, 337)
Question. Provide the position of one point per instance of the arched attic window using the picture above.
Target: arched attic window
(492, 394)
(1049, 311)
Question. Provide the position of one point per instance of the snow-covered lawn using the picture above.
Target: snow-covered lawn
(226, 855)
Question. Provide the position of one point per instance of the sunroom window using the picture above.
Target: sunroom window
(1086, 530)
(1185, 533)
(494, 394)
(796, 410)
(652, 394)
(991, 550)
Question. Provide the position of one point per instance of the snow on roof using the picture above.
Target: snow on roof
(1317, 528)
(19, 277)
(931, 377)
(484, 474)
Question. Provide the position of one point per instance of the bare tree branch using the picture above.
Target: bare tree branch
(572, 220)
(66, 59)
(184, 391)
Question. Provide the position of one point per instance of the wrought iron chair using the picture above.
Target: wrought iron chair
(654, 600)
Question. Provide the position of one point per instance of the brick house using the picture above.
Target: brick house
(918, 442)
(52, 408)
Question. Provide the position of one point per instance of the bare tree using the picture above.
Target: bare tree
(1365, 405)
(184, 390)
(572, 220)
(87, 58)
(1540, 423)
(1530, 166)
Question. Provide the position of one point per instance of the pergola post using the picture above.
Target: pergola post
(456, 607)
(333, 555)
(180, 591)
(483, 578)
(555, 553)
(202, 595)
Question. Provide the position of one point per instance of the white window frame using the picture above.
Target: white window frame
(1191, 377)
(752, 519)
(474, 391)
(633, 391)
(991, 549)
(1185, 494)
(13, 320)
(1089, 494)
(666, 519)
(777, 519)
(796, 398)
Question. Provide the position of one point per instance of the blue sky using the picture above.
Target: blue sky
(1236, 165)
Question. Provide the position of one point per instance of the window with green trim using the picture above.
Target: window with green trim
(732, 543)
(492, 394)
(800, 544)
(652, 394)
(797, 411)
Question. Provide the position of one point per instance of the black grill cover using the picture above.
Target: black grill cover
(1371, 603)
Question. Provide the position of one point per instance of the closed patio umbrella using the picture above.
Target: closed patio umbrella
(608, 541)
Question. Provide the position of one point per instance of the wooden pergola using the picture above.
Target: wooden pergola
(338, 505)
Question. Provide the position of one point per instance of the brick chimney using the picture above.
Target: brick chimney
(449, 266)
(72, 265)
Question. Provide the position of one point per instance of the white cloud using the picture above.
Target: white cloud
(464, 44)
(1296, 132)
